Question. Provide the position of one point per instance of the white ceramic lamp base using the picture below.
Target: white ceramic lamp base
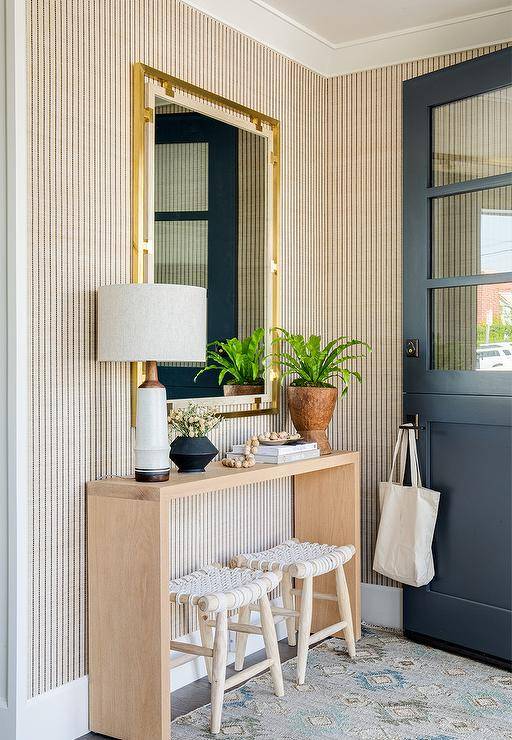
(152, 462)
(139, 321)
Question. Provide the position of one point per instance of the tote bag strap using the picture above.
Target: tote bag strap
(406, 439)
(413, 456)
(400, 446)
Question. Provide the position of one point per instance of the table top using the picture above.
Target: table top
(216, 478)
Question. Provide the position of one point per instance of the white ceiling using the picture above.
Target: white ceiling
(336, 37)
(340, 22)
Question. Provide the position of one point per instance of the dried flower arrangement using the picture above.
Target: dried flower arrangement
(194, 421)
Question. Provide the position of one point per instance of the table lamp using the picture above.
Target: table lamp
(151, 323)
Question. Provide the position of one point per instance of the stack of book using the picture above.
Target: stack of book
(278, 454)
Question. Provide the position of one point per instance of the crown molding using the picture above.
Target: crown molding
(269, 27)
(255, 18)
(292, 22)
(456, 34)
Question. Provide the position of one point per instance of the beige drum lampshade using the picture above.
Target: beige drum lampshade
(146, 321)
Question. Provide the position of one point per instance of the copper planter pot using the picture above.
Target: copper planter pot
(243, 390)
(311, 410)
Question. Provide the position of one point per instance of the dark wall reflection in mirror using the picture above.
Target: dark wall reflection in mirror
(210, 190)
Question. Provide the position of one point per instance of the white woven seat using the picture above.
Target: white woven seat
(215, 590)
(299, 559)
(305, 561)
(218, 589)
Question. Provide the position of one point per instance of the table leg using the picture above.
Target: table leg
(327, 510)
(129, 685)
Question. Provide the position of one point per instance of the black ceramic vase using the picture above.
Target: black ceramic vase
(192, 454)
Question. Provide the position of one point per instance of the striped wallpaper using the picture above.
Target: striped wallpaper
(252, 230)
(181, 177)
(192, 545)
(341, 225)
(181, 253)
(80, 55)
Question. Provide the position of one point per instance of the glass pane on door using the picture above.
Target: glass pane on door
(472, 233)
(472, 327)
(472, 138)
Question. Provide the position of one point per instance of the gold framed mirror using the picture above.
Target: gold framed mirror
(205, 211)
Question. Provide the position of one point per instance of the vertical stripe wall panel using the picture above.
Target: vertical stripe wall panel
(230, 516)
(80, 55)
(340, 271)
(181, 177)
(252, 225)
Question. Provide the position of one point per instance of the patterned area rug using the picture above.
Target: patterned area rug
(394, 689)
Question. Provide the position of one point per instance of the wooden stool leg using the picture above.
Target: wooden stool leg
(306, 613)
(345, 610)
(206, 633)
(289, 603)
(244, 617)
(268, 629)
(219, 661)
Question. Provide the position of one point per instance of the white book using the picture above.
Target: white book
(278, 460)
(279, 450)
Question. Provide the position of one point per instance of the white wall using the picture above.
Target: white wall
(13, 370)
(3, 375)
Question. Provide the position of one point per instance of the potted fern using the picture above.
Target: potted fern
(239, 363)
(311, 394)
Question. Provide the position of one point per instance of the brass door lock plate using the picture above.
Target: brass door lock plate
(412, 347)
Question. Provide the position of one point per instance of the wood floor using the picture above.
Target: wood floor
(197, 694)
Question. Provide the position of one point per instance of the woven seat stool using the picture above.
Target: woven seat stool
(302, 560)
(214, 591)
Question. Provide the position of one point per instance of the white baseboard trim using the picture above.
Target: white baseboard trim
(61, 714)
(381, 605)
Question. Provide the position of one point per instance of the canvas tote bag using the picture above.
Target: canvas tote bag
(408, 517)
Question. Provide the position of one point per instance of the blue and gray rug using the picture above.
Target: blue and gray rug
(395, 689)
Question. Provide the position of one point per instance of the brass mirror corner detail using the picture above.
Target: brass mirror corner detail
(206, 211)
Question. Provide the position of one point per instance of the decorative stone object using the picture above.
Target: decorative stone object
(277, 438)
(247, 459)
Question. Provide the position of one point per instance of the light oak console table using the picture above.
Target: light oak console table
(128, 572)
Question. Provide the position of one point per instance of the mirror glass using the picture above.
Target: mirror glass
(209, 214)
